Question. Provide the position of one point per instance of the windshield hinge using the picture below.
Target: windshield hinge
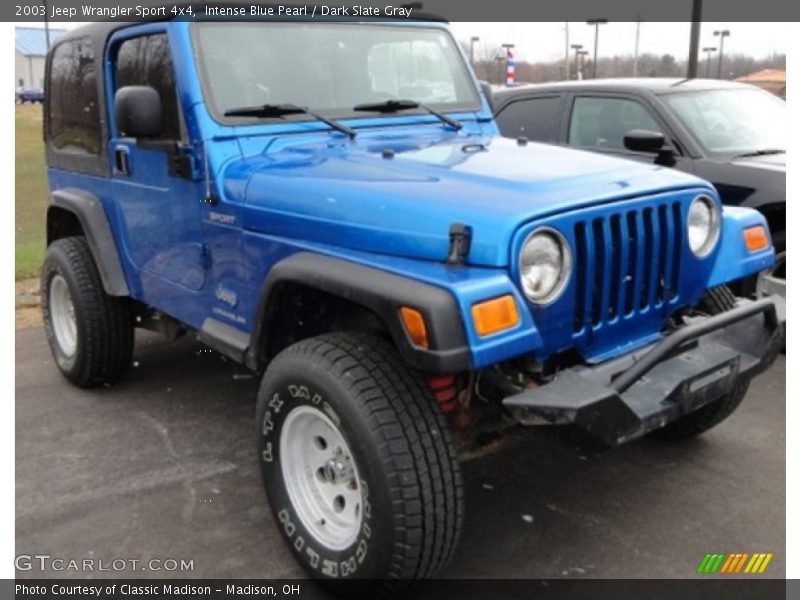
(460, 238)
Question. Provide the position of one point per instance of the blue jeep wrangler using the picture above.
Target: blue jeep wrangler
(330, 203)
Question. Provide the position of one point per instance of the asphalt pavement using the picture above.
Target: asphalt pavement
(164, 466)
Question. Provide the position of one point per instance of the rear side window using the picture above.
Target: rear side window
(603, 122)
(146, 60)
(74, 115)
(534, 118)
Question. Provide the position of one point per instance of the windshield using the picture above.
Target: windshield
(732, 122)
(330, 68)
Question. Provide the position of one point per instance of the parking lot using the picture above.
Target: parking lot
(163, 466)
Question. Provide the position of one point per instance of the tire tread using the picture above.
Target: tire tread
(108, 327)
(426, 485)
(716, 300)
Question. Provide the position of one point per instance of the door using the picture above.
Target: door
(600, 122)
(157, 199)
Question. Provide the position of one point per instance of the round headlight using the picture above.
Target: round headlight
(702, 226)
(544, 265)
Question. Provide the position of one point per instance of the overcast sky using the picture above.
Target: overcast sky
(545, 41)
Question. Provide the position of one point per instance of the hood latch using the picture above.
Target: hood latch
(460, 239)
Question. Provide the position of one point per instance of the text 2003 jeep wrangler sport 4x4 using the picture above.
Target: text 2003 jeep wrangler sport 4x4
(331, 204)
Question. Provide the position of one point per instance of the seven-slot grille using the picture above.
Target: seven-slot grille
(626, 263)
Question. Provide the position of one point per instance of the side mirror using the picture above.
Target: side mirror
(653, 142)
(641, 140)
(486, 89)
(138, 113)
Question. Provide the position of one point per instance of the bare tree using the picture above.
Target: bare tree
(487, 66)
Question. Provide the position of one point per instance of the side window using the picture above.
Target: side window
(147, 61)
(74, 116)
(535, 118)
(603, 122)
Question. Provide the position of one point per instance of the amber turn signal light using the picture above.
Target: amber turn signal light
(494, 315)
(755, 238)
(415, 326)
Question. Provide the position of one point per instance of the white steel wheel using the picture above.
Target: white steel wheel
(358, 465)
(65, 325)
(321, 477)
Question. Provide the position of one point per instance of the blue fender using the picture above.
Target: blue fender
(734, 261)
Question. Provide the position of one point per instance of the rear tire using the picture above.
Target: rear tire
(90, 333)
(717, 300)
(386, 506)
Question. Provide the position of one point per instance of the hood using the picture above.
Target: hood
(752, 181)
(772, 162)
(398, 194)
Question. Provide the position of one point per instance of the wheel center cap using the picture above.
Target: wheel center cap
(335, 471)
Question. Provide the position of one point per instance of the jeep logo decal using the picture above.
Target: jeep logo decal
(226, 295)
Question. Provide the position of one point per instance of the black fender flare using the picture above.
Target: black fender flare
(89, 211)
(382, 293)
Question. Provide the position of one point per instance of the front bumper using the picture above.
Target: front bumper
(627, 397)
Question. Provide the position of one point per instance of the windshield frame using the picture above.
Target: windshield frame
(679, 120)
(338, 115)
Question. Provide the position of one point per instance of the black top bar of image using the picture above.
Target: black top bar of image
(450, 10)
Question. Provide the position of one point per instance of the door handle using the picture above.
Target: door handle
(122, 160)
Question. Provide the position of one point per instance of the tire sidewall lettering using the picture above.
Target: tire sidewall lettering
(326, 562)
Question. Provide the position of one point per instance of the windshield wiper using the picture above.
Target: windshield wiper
(763, 152)
(276, 111)
(390, 106)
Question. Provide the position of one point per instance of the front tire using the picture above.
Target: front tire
(90, 333)
(358, 464)
(716, 300)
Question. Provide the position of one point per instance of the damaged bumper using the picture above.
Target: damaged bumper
(627, 397)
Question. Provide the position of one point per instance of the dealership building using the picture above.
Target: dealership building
(30, 50)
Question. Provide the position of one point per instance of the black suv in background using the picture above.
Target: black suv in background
(729, 133)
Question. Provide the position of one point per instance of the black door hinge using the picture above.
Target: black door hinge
(460, 239)
(179, 165)
(180, 162)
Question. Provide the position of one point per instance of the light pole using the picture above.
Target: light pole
(566, 49)
(636, 47)
(708, 50)
(583, 54)
(577, 48)
(46, 27)
(722, 35)
(472, 41)
(694, 38)
(596, 23)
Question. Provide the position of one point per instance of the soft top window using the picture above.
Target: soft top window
(73, 108)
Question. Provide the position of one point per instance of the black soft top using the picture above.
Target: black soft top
(100, 31)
